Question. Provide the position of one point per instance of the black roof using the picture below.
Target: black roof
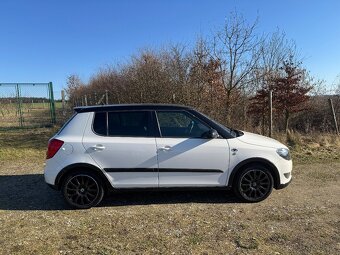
(117, 107)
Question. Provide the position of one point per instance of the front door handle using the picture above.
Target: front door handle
(165, 148)
(98, 147)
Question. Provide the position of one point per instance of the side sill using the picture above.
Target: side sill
(122, 190)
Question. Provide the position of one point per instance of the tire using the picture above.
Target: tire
(253, 184)
(82, 189)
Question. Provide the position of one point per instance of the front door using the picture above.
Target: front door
(185, 158)
(123, 145)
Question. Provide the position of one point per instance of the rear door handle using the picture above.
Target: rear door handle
(98, 147)
(165, 148)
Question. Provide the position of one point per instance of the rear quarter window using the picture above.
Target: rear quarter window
(99, 123)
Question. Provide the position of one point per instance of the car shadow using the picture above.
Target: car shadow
(169, 197)
(30, 192)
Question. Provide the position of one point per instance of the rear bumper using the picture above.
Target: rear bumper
(52, 186)
(282, 186)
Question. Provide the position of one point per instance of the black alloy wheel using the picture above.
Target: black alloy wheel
(254, 184)
(82, 190)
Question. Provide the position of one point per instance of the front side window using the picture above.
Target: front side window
(180, 124)
(129, 123)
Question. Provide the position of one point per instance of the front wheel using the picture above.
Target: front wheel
(82, 190)
(254, 183)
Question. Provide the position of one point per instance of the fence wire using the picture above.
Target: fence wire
(27, 105)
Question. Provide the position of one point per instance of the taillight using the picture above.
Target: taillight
(53, 146)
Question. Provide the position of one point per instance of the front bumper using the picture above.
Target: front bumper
(282, 186)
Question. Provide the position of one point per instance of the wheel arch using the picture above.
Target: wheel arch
(81, 166)
(251, 161)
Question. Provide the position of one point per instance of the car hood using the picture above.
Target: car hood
(260, 140)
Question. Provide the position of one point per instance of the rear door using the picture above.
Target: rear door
(123, 145)
(185, 157)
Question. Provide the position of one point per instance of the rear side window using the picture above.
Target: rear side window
(132, 124)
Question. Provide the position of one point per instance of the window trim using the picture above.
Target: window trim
(150, 126)
(190, 114)
(155, 125)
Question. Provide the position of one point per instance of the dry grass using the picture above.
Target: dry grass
(301, 219)
(310, 148)
(19, 143)
(33, 114)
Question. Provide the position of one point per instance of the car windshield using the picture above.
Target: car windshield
(233, 132)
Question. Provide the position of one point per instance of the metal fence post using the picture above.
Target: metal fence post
(19, 105)
(270, 113)
(52, 105)
(106, 97)
(63, 101)
(334, 116)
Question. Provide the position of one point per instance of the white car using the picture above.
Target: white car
(110, 147)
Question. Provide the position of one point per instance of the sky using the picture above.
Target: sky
(42, 41)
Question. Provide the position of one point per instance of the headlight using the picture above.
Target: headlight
(283, 152)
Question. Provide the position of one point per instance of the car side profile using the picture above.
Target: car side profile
(141, 146)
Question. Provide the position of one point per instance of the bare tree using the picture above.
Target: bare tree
(177, 62)
(148, 79)
(73, 82)
(236, 47)
(198, 74)
(108, 80)
(219, 76)
(274, 50)
(75, 88)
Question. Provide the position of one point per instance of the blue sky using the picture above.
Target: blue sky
(47, 40)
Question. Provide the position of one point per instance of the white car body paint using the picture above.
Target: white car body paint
(265, 149)
(184, 153)
(151, 162)
(124, 153)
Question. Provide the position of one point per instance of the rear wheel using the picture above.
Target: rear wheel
(254, 183)
(82, 190)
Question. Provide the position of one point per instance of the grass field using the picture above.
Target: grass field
(301, 219)
(31, 114)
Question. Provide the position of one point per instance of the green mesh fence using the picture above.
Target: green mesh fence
(27, 105)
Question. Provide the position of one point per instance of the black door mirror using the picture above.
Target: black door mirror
(211, 134)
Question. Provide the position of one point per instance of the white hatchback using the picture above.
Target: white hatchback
(110, 147)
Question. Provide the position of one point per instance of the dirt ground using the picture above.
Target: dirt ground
(304, 218)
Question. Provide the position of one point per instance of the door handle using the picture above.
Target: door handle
(98, 147)
(165, 148)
